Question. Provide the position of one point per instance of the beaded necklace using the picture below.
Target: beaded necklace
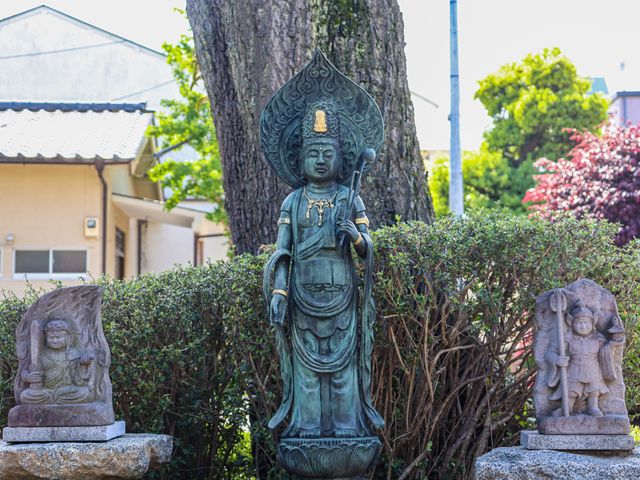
(320, 205)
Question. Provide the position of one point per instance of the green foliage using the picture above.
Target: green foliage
(531, 104)
(174, 340)
(456, 303)
(188, 120)
(489, 182)
(192, 355)
(635, 432)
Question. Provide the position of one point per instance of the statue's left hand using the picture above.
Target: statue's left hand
(348, 227)
(278, 309)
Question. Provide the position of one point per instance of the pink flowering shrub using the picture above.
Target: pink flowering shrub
(599, 179)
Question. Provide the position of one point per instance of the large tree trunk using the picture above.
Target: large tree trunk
(247, 49)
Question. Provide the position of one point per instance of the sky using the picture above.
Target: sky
(597, 36)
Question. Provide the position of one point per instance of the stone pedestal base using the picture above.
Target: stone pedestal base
(518, 463)
(68, 415)
(584, 425)
(328, 458)
(532, 440)
(130, 456)
(63, 434)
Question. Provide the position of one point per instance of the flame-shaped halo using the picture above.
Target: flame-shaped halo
(361, 124)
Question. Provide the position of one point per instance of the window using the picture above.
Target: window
(50, 263)
(32, 261)
(69, 261)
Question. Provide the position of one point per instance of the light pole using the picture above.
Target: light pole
(456, 204)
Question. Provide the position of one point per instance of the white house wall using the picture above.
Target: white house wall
(165, 254)
(112, 72)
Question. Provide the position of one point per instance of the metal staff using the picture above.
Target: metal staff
(558, 304)
(368, 155)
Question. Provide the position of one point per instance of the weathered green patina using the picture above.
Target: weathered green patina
(320, 132)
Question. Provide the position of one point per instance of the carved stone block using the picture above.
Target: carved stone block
(101, 433)
(578, 346)
(532, 440)
(63, 362)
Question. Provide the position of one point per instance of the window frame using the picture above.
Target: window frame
(50, 275)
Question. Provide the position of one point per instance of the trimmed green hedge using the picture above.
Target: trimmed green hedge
(193, 355)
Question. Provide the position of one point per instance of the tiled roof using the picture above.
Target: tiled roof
(74, 133)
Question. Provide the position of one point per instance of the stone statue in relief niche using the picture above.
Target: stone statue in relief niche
(61, 373)
(578, 347)
(63, 362)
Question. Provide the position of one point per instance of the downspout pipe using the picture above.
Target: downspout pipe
(99, 164)
(141, 225)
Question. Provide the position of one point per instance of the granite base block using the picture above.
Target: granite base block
(533, 440)
(129, 456)
(584, 425)
(518, 463)
(63, 434)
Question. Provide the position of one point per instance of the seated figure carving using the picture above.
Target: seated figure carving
(63, 362)
(65, 371)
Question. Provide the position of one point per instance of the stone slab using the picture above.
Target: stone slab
(584, 425)
(63, 434)
(63, 415)
(129, 456)
(518, 463)
(533, 440)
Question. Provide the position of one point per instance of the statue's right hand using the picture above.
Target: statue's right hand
(278, 309)
(33, 377)
(562, 361)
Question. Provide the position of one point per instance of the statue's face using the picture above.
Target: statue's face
(57, 334)
(583, 325)
(321, 161)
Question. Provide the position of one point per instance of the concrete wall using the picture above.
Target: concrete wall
(625, 110)
(166, 246)
(111, 70)
(45, 206)
(32, 198)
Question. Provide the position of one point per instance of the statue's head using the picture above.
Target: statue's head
(583, 320)
(321, 151)
(57, 333)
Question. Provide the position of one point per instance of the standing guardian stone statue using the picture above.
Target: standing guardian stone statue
(579, 390)
(320, 133)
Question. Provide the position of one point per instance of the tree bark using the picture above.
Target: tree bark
(248, 49)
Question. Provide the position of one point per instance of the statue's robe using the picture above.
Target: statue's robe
(63, 382)
(329, 375)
